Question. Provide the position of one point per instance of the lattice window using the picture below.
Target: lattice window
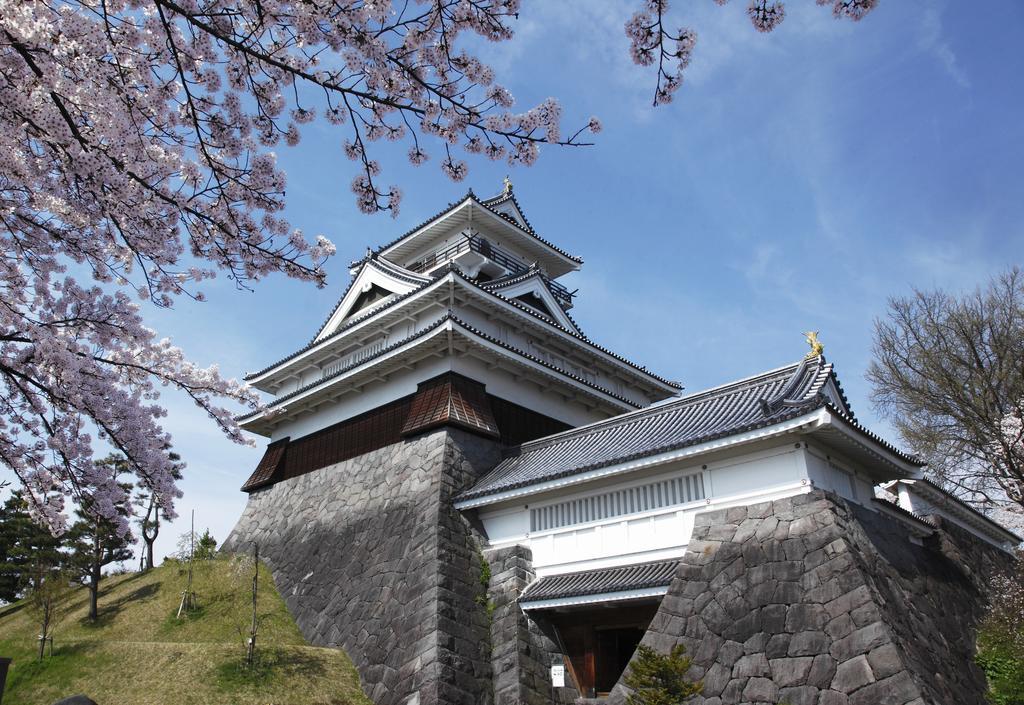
(666, 493)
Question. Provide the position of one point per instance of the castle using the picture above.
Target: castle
(482, 505)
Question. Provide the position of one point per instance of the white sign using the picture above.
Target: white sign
(558, 676)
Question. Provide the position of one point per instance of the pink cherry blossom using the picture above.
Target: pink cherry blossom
(650, 42)
(136, 152)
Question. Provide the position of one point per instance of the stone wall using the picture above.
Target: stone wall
(522, 653)
(370, 556)
(811, 600)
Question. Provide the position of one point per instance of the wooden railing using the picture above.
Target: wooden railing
(472, 242)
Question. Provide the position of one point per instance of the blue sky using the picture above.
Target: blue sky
(798, 180)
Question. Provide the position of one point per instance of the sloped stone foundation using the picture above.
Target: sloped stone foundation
(370, 556)
(522, 652)
(812, 600)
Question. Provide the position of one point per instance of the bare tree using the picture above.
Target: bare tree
(949, 374)
(250, 652)
(48, 601)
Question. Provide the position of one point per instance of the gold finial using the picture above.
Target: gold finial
(508, 184)
(816, 346)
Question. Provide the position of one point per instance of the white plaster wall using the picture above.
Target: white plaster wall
(656, 534)
(749, 474)
(840, 475)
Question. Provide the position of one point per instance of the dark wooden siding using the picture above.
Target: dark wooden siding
(389, 424)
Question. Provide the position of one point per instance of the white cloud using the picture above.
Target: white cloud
(930, 39)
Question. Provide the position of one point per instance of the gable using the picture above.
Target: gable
(368, 298)
(373, 284)
(533, 292)
(835, 394)
(531, 299)
(508, 208)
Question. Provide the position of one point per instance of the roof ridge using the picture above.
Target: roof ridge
(578, 335)
(470, 196)
(652, 410)
(784, 397)
(342, 370)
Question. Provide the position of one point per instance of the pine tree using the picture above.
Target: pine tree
(24, 544)
(660, 679)
(206, 547)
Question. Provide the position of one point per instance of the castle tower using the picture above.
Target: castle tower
(482, 506)
(451, 343)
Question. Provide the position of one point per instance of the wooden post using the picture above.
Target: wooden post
(188, 597)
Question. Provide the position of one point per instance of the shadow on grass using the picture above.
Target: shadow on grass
(270, 665)
(108, 612)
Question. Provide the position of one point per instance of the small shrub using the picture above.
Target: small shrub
(660, 679)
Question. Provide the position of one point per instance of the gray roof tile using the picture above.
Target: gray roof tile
(594, 582)
(741, 406)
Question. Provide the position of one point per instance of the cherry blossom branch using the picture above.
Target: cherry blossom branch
(650, 42)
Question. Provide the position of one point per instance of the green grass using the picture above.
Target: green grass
(140, 653)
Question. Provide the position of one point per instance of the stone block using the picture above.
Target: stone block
(751, 665)
(805, 617)
(777, 646)
(852, 674)
(840, 627)
(790, 671)
(716, 678)
(799, 695)
(894, 690)
(860, 641)
(808, 643)
(730, 653)
(760, 690)
(831, 697)
(885, 661)
(823, 670)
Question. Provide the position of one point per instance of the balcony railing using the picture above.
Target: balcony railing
(483, 247)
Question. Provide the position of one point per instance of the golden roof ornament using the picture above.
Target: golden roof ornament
(817, 348)
(508, 184)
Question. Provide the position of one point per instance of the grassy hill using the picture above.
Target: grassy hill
(139, 653)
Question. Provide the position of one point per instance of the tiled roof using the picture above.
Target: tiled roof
(355, 320)
(574, 333)
(483, 204)
(543, 363)
(594, 582)
(508, 196)
(742, 406)
(451, 399)
(267, 466)
(451, 268)
(945, 499)
(342, 370)
(382, 265)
